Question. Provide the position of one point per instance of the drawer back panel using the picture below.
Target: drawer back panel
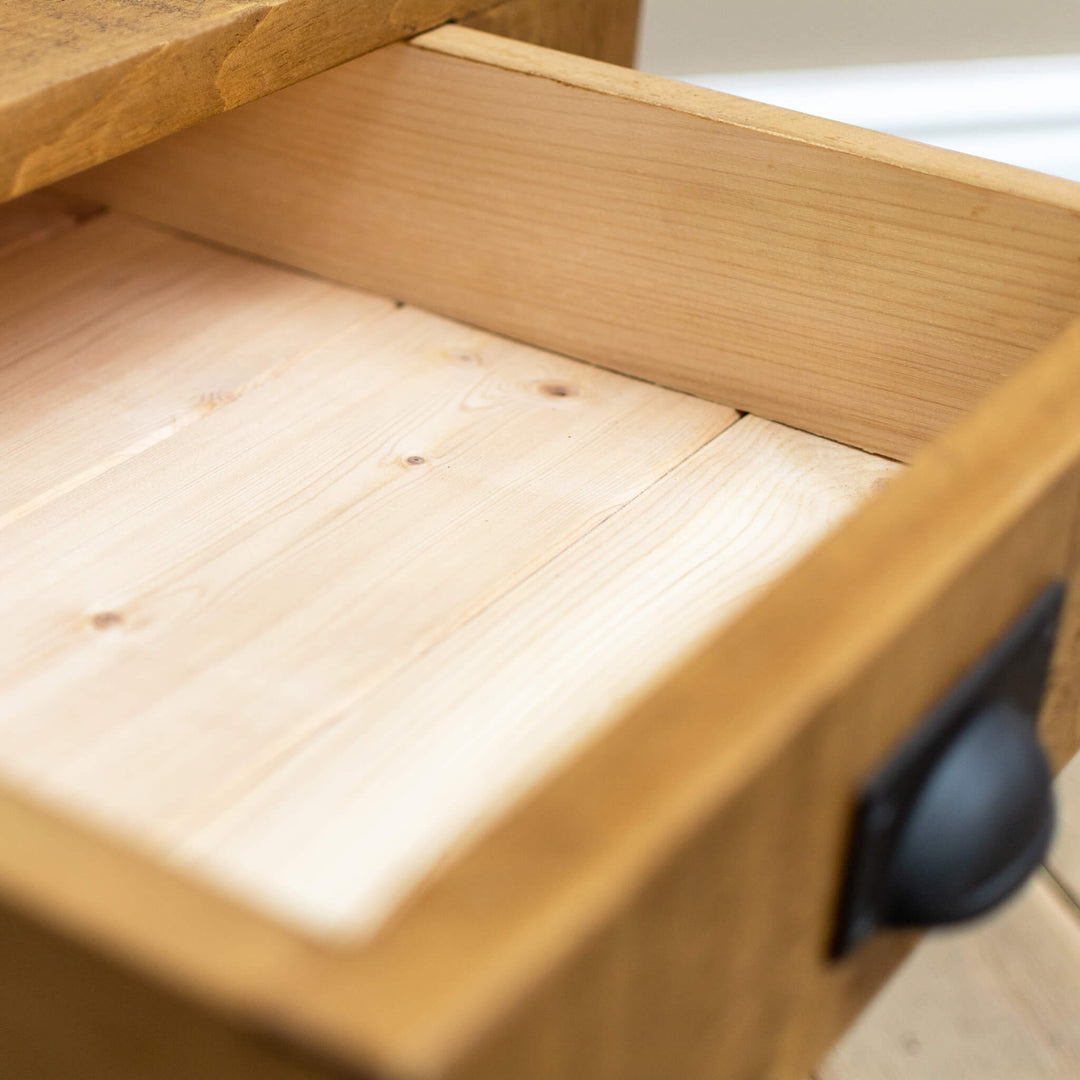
(852, 284)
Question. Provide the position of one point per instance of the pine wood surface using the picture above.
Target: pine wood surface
(1061, 716)
(537, 674)
(993, 1001)
(514, 956)
(123, 1006)
(727, 248)
(117, 337)
(454, 549)
(85, 80)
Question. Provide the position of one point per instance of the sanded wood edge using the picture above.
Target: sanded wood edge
(667, 93)
(127, 87)
(855, 285)
(600, 29)
(661, 905)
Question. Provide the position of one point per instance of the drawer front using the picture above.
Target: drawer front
(664, 904)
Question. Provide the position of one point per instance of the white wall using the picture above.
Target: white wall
(684, 36)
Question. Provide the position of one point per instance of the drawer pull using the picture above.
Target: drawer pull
(963, 811)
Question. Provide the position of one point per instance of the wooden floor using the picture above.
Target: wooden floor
(997, 1001)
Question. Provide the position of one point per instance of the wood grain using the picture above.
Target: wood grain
(77, 1002)
(600, 29)
(602, 928)
(658, 906)
(191, 602)
(675, 923)
(1062, 725)
(116, 337)
(526, 682)
(997, 1001)
(85, 80)
(734, 250)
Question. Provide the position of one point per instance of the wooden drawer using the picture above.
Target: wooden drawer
(475, 675)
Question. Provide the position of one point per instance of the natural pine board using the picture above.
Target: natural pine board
(399, 533)
(182, 621)
(848, 283)
(997, 1001)
(442, 746)
(114, 337)
(84, 80)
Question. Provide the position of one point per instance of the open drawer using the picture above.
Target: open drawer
(476, 675)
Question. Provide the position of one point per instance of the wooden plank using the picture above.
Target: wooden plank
(528, 681)
(85, 80)
(997, 1001)
(600, 29)
(198, 610)
(735, 250)
(115, 337)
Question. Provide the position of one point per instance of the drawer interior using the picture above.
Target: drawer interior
(419, 655)
(303, 586)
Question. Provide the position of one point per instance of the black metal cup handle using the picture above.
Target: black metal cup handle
(963, 811)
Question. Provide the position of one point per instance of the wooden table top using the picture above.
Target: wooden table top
(84, 80)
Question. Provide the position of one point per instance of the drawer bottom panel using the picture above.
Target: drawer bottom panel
(303, 587)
